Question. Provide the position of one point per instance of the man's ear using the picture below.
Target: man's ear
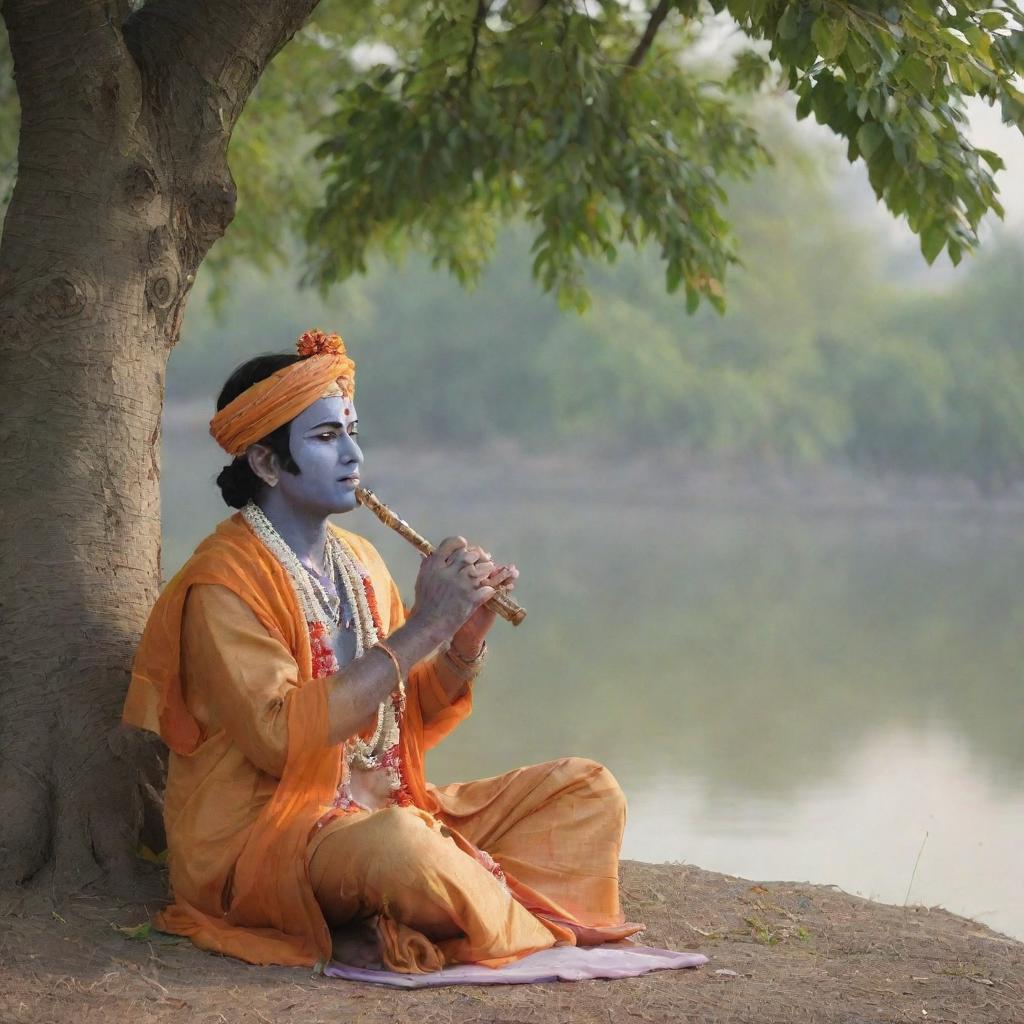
(264, 463)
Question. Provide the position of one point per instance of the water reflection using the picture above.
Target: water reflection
(902, 799)
(782, 692)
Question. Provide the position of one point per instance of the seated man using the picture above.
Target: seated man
(298, 699)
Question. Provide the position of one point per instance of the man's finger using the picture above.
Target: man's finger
(449, 546)
(474, 553)
(471, 555)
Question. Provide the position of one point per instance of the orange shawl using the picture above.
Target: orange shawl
(274, 916)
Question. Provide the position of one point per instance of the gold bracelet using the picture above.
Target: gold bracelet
(465, 670)
(381, 646)
(468, 662)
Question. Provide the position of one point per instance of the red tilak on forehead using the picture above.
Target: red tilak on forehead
(347, 411)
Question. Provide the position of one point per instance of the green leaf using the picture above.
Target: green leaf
(869, 137)
(829, 36)
(137, 932)
(926, 149)
(994, 160)
(914, 70)
(514, 68)
(673, 275)
(857, 53)
(789, 23)
(932, 240)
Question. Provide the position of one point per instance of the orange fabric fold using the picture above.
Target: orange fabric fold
(509, 865)
(403, 948)
(279, 398)
(233, 557)
(269, 913)
(274, 916)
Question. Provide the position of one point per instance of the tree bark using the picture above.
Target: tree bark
(123, 186)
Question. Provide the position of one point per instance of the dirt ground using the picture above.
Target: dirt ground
(780, 953)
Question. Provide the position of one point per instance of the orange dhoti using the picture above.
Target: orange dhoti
(554, 829)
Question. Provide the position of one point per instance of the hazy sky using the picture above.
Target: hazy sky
(856, 194)
(722, 36)
(988, 131)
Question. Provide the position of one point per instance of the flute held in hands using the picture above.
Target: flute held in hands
(501, 603)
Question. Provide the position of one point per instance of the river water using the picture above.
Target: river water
(804, 687)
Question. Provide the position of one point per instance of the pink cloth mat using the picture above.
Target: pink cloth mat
(560, 963)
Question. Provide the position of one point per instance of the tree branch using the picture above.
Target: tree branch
(41, 16)
(199, 62)
(214, 46)
(658, 15)
(69, 54)
(478, 20)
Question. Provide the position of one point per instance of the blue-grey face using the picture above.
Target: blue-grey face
(323, 444)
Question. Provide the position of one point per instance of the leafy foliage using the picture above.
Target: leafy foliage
(597, 133)
(596, 124)
(534, 113)
(891, 80)
(827, 352)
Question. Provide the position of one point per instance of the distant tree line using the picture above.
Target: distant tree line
(828, 350)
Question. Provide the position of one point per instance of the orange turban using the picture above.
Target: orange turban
(262, 408)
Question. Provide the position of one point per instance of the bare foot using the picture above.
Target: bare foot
(357, 944)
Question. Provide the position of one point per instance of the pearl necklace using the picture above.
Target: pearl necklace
(316, 604)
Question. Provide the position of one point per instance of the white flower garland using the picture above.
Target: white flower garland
(316, 605)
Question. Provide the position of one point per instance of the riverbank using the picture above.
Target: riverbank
(579, 469)
(780, 953)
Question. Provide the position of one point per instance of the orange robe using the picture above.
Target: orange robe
(223, 674)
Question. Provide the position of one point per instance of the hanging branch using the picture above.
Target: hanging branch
(658, 15)
(479, 18)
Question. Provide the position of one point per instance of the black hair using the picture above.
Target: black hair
(238, 483)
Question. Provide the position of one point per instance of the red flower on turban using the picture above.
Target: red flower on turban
(316, 342)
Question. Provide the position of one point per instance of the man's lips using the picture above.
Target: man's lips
(354, 478)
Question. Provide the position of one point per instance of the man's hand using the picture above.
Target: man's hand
(469, 639)
(453, 583)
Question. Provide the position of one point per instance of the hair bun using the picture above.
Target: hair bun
(238, 483)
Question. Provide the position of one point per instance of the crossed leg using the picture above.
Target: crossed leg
(436, 903)
(556, 827)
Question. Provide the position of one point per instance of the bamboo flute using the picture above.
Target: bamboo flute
(501, 603)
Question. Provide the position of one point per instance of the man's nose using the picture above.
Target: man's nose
(350, 451)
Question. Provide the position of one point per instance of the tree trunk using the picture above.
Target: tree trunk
(93, 292)
(122, 188)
